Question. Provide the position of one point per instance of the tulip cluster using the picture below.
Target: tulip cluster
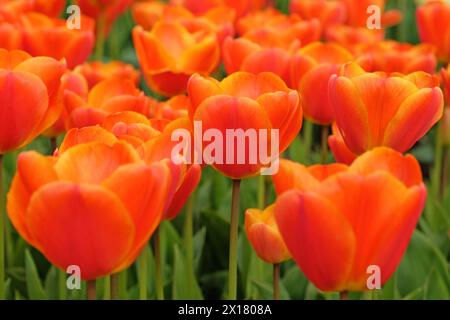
(222, 72)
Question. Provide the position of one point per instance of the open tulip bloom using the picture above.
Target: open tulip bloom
(154, 149)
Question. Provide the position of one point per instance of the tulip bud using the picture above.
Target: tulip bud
(263, 234)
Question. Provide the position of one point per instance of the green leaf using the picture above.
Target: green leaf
(34, 285)
(180, 286)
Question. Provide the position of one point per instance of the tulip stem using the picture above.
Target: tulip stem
(189, 242)
(100, 39)
(437, 170)
(62, 285)
(234, 225)
(91, 290)
(107, 288)
(115, 285)
(445, 171)
(143, 274)
(2, 235)
(343, 295)
(261, 191)
(158, 265)
(309, 128)
(324, 145)
(276, 281)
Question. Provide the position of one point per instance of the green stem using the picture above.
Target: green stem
(2, 235)
(234, 225)
(261, 191)
(123, 285)
(307, 138)
(91, 290)
(107, 288)
(189, 242)
(324, 145)
(445, 171)
(115, 285)
(159, 283)
(402, 30)
(143, 274)
(276, 281)
(437, 170)
(100, 39)
(62, 285)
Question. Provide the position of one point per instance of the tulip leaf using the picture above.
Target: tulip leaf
(34, 285)
(181, 289)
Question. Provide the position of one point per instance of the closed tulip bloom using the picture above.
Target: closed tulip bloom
(86, 207)
(43, 36)
(245, 55)
(96, 71)
(329, 13)
(170, 54)
(248, 102)
(432, 22)
(263, 234)
(338, 147)
(338, 223)
(29, 97)
(392, 56)
(374, 109)
(310, 69)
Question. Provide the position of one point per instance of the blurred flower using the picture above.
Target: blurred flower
(246, 101)
(51, 8)
(242, 7)
(174, 108)
(338, 147)
(43, 36)
(96, 71)
(310, 70)
(329, 13)
(29, 97)
(346, 219)
(86, 206)
(272, 29)
(262, 232)
(374, 109)
(13, 8)
(357, 13)
(170, 54)
(432, 22)
(147, 13)
(103, 11)
(244, 55)
(392, 56)
(445, 77)
(350, 37)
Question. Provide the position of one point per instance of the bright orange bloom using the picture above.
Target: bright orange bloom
(242, 7)
(338, 147)
(374, 109)
(270, 28)
(43, 36)
(248, 102)
(170, 54)
(86, 206)
(147, 13)
(328, 12)
(29, 97)
(350, 37)
(392, 56)
(52, 8)
(310, 70)
(107, 97)
(357, 13)
(432, 22)
(244, 55)
(96, 71)
(103, 11)
(338, 221)
(262, 232)
(174, 108)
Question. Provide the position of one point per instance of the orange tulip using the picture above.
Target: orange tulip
(350, 37)
(340, 222)
(147, 13)
(104, 11)
(432, 22)
(245, 101)
(357, 13)
(170, 54)
(310, 70)
(29, 97)
(96, 71)
(174, 108)
(51, 37)
(328, 12)
(392, 56)
(272, 29)
(86, 207)
(52, 8)
(263, 234)
(338, 147)
(107, 97)
(242, 7)
(374, 109)
(244, 55)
